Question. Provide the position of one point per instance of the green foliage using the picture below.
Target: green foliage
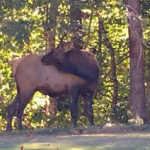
(21, 35)
(145, 4)
(22, 25)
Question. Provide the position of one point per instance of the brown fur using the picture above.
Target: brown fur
(14, 64)
(31, 76)
(74, 61)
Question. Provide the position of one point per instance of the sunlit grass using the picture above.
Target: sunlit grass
(129, 141)
(126, 138)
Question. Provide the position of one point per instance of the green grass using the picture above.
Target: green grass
(77, 142)
(133, 138)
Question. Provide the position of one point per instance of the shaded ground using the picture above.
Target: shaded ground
(78, 139)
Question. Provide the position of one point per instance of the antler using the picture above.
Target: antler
(64, 35)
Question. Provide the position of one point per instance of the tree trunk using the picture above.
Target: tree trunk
(51, 22)
(113, 66)
(76, 23)
(137, 88)
(148, 85)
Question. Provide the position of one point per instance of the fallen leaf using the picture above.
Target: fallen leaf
(21, 148)
(30, 135)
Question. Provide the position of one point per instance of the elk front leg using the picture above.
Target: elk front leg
(88, 102)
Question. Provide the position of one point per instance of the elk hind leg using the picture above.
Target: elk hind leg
(23, 103)
(74, 107)
(11, 110)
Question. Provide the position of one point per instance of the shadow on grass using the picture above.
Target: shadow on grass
(77, 142)
(132, 138)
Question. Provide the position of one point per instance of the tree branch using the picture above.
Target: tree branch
(113, 66)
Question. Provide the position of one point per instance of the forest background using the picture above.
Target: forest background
(101, 26)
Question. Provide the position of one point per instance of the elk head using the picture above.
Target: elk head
(58, 55)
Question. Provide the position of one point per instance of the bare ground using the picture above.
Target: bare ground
(92, 138)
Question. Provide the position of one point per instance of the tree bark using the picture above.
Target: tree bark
(51, 22)
(137, 88)
(148, 85)
(76, 22)
(113, 67)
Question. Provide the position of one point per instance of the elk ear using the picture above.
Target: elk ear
(68, 46)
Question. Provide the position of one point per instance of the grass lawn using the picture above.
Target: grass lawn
(75, 140)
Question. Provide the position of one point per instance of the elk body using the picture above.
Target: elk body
(31, 76)
(74, 61)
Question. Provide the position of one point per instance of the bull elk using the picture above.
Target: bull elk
(32, 75)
